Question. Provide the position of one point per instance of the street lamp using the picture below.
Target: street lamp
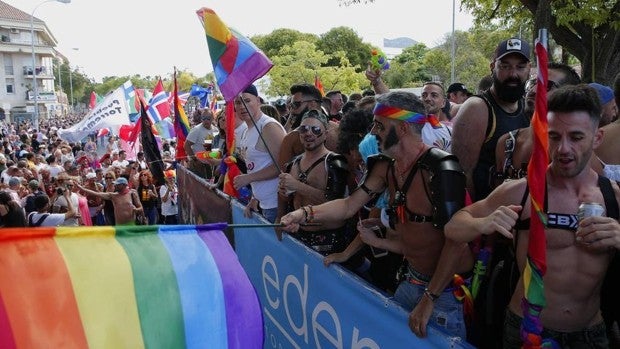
(71, 82)
(34, 62)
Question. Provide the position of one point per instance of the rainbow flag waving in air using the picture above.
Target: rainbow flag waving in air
(125, 287)
(237, 63)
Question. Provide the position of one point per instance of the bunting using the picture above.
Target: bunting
(125, 287)
(536, 264)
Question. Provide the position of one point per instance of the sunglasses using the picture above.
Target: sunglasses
(316, 130)
(109, 177)
(298, 104)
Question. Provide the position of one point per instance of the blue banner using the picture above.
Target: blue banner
(308, 305)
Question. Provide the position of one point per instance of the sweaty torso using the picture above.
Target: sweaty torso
(422, 243)
(574, 273)
(123, 208)
(316, 178)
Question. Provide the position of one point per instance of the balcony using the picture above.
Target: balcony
(42, 72)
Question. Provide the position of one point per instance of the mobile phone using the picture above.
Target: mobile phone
(380, 233)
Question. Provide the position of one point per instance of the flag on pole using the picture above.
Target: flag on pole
(318, 84)
(150, 148)
(159, 108)
(181, 122)
(202, 93)
(237, 63)
(94, 100)
(536, 264)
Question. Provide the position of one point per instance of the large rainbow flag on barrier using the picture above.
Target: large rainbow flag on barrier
(125, 287)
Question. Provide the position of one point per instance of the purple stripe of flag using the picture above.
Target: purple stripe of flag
(243, 313)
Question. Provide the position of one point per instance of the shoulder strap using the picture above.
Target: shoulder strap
(610, 198)
(39, 221)
(491, 123)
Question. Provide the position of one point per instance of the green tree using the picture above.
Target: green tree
(300, 62)
(272, 43)
(347, 40)
(587, 30)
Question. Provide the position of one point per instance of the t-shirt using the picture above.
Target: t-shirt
(197, 136)
(52, 219)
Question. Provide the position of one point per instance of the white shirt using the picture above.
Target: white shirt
(171, 206)
(197, 136)
(52, 219)
(62, 202)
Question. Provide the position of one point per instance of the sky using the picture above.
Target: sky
(127, 37)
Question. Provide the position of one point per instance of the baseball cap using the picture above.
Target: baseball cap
(14, 181)
(513, 45)
(91, 175)
(33, 184)
(251, 90)
(605, 93)
(121, 180)
(456, 87)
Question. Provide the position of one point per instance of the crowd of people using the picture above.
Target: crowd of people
(51, 182)
(410, 192)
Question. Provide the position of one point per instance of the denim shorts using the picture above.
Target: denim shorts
(592, 337)
(447, 312)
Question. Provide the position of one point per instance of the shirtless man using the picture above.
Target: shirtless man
(126, 201)
(577, 254)
(415, 171)
(312, 178)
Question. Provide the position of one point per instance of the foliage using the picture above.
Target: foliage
(300, 62)
(272, 43)
(588, 30)
(347, 40)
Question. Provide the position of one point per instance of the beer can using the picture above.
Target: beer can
(589, 209)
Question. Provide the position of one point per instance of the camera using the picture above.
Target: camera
(60, 191)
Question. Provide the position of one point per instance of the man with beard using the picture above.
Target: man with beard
(125, 200)
(304, 97)
(312, 178)
(481, 121)
(514, 149)
(578, 254)
(425, 187)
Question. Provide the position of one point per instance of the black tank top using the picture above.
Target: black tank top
(499, 123)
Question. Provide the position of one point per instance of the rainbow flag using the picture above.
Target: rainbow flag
(236, 61)
(125, 287)
(536, 264)
(181, 122)
(318, 84)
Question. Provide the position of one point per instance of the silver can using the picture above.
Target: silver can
(590, 209)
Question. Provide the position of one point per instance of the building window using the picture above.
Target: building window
(8, 64)
(10, 83)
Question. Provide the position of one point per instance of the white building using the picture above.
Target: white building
(16, 70)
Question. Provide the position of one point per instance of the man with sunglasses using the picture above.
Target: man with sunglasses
(304, 97)
(313, 177)
(425, 187)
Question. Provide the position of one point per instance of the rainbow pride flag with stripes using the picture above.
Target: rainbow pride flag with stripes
(125, 287)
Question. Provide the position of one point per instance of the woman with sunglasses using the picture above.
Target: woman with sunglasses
(148, 197)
